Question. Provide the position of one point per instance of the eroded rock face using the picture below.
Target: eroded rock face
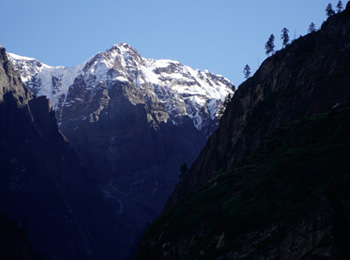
(133, 121)
(311, 75)
(272, 182)
(311, 237)
(10, 82)
(289, 199)
(43, 184)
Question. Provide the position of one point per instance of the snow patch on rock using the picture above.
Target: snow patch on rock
(183, 91)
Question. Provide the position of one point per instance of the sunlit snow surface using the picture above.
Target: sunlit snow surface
(183, 90)
(45, 80)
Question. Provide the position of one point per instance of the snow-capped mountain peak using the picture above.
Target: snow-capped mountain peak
(175, 90)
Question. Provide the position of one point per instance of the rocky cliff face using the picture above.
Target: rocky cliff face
(289, 199)
(43, 184)
(133, 122)
(307, 77)
(273, 181)
(121, 100)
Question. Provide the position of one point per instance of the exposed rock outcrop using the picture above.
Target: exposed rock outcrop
(133, 121)
(273, 181)
(309, 76)
(42, 180)
(289, 199)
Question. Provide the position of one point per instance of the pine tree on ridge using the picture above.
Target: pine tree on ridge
(270, 45)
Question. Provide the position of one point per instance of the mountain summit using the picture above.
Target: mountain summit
(174, 90)
(133, 121)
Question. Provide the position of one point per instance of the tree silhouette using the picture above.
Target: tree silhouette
(339, 7)
(270, 45)
(329, 10)
(285, 36)
(312, 28)
(246, 71)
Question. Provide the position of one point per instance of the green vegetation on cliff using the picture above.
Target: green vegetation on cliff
(273, 182)
(300, 167)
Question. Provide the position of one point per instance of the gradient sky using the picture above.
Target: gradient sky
(219, 35)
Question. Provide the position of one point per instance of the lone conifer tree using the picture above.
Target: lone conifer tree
(339, 7)
(329, 10)
(285, 36)
(246, 71)
(270, 45)
(312, 28)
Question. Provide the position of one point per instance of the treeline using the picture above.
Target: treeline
(270, 44)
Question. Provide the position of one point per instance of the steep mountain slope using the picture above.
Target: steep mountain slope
(44, 80)
(273, 181)
(289, 199)
(42, 180)
(308, 76)
(133, 122)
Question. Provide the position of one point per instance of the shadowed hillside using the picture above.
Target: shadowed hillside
(273, 181)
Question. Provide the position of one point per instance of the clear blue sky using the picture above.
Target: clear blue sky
(219, 35)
